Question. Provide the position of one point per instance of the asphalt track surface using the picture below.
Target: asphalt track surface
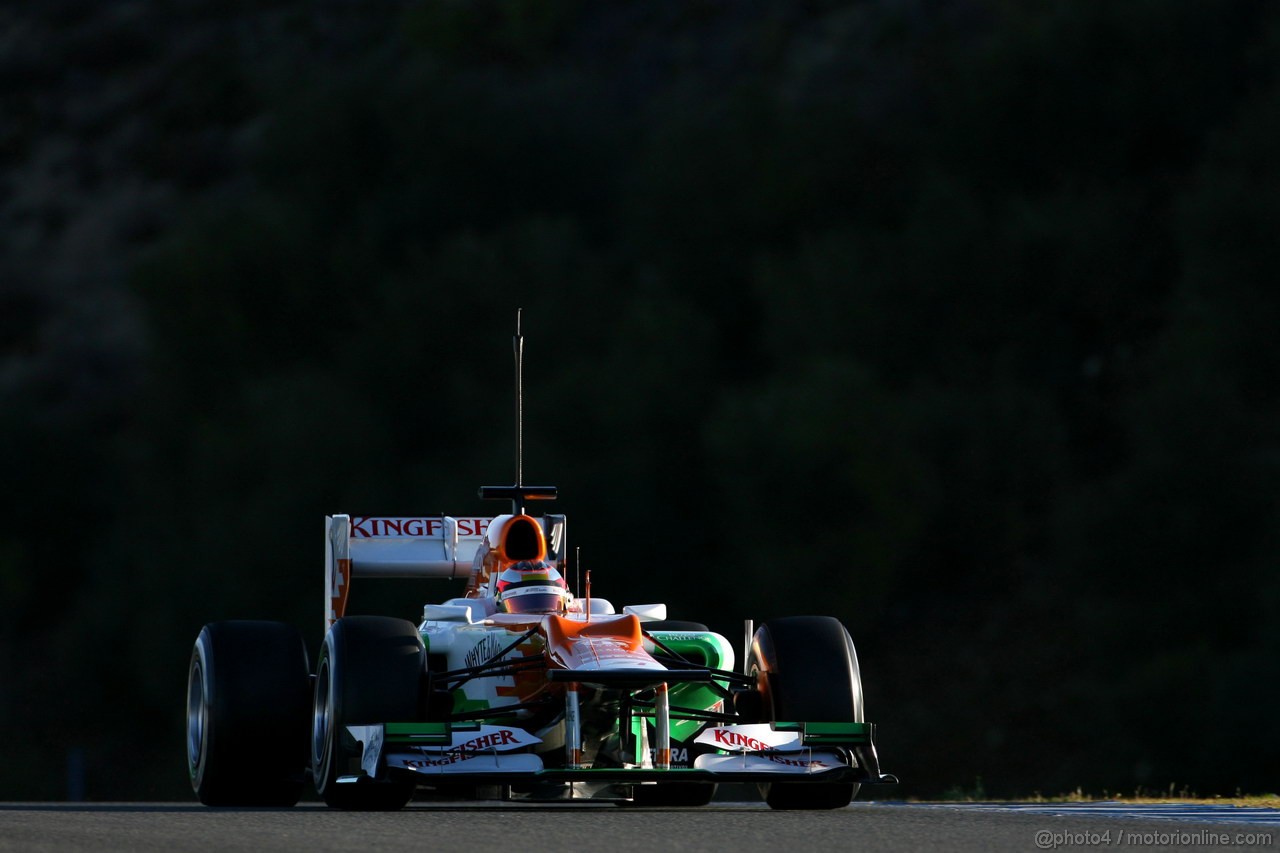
(516, 828)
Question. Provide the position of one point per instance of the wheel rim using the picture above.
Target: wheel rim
(321, 721)
(197, 715)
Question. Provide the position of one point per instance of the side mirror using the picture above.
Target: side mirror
(647, 612)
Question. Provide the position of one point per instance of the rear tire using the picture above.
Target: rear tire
(247, 714)
(370, 671)
(807, 671)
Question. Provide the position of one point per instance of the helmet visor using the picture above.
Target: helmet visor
(534, 599)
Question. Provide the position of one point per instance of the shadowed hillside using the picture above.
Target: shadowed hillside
(950, 320)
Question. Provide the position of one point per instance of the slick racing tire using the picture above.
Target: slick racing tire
(369, 672)
(807, 671)
(247, 714)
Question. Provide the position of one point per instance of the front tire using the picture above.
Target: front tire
(247, 714)
(370, 671)
(807, 671)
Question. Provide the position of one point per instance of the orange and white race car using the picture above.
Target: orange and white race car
(518, 686)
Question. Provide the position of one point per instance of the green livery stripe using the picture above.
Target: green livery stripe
(429, 733)
(461, 704)
(832, 729)
(700, 648)
(830, 733)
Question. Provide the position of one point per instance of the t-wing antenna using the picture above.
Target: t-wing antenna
(519, 493)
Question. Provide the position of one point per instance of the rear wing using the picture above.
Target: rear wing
(378, 547)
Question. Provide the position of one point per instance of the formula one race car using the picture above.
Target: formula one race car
(518, 686)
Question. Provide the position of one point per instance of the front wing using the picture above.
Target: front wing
(474, 753)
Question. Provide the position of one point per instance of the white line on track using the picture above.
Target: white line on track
(1207, 813)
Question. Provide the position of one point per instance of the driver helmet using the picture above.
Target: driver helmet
(531, 586)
